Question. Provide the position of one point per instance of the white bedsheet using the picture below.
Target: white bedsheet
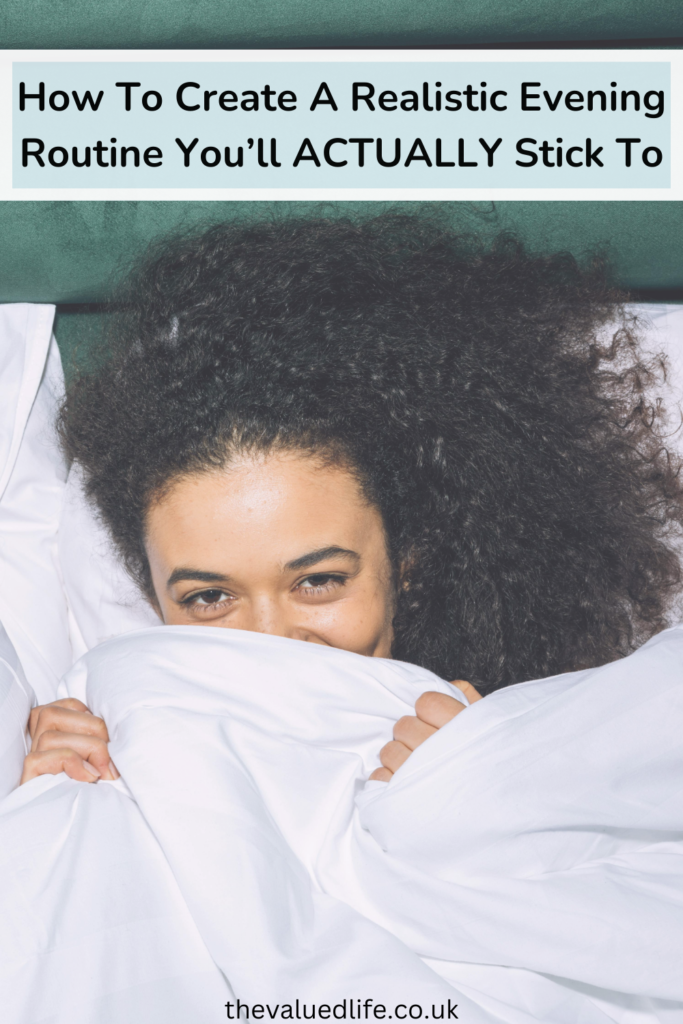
(526, 863)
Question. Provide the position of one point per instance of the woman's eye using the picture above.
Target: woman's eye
(207, 598)
(319, 583)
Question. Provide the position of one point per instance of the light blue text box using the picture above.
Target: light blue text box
(469, 147)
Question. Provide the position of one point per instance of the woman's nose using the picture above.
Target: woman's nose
(266, 615)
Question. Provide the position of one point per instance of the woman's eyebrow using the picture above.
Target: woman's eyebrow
(306, 561)
(303, 562)
(196, 574)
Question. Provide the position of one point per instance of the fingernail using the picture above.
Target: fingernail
(114, 770)
(91, 768)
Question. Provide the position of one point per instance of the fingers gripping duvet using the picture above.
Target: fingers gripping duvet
(525, 864)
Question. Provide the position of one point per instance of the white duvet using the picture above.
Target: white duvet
(526, 863)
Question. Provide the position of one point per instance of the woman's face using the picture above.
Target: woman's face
(278, 544)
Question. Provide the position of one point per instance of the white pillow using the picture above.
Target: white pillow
(33, 608)
(102, 598)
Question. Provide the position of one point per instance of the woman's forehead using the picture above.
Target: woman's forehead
(278, 510)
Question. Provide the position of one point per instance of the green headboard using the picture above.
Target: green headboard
(70, 252)
(177, 24)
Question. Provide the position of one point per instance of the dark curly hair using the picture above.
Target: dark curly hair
(493, 403)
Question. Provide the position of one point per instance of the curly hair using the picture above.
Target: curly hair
(494, 404)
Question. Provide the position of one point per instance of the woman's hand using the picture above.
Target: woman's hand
(66, 737)
(432, 711)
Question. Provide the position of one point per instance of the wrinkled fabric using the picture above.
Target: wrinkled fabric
(16, 700)
(526, 862)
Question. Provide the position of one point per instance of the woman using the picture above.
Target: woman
(479, 417)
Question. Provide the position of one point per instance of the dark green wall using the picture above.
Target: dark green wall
(179, 24)
(67, 252)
